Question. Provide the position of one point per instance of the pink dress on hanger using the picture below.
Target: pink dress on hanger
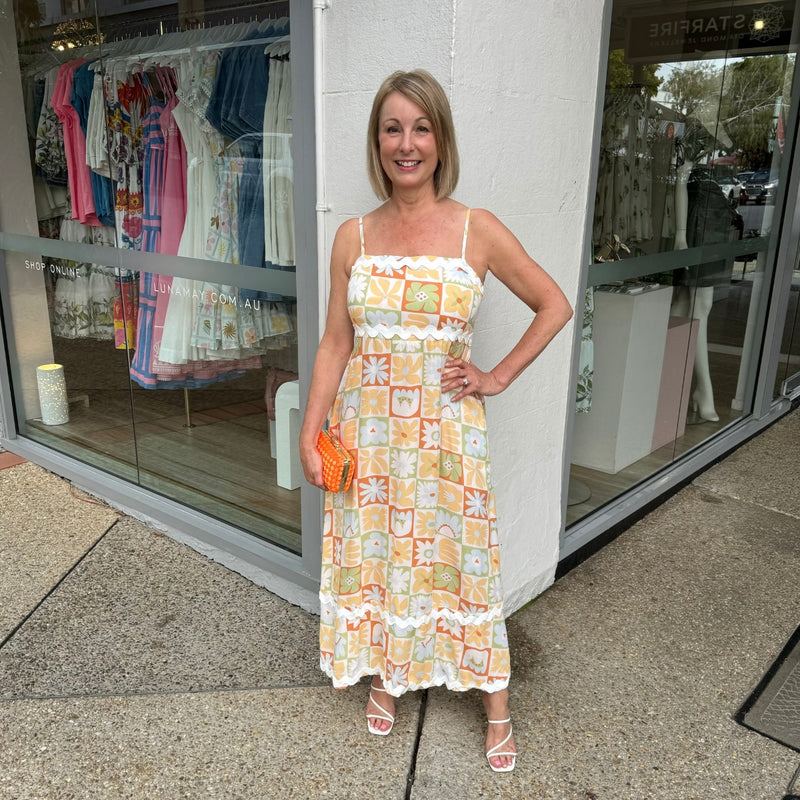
(78, 173)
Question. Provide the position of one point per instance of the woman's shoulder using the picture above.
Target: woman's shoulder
(484, 219)
(349, 227)
(348, 233)
(347, 243)
(490, 241)
(485, 227)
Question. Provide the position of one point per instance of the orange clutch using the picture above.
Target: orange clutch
(338, 463)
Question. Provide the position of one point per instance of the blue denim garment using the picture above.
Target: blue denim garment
(236, 109)
(241, 83)
(103, 189)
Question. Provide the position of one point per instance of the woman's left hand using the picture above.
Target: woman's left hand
(464, 378)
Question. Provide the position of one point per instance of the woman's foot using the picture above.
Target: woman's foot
(380, 714)
(501, 751)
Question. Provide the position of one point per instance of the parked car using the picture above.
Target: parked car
(743, 177)
(755, 191)
(731, 186)
(770, 190)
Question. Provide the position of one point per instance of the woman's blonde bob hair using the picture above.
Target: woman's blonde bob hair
(423, 89)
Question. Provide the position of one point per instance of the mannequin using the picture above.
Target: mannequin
(695, 299)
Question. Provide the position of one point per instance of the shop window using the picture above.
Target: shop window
(693, 153)
(73, 7)
(160, 271)
(787, 382)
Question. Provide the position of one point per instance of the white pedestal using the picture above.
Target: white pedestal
(284, 434)
(629, 335)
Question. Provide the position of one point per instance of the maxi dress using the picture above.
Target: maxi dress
(410, 585)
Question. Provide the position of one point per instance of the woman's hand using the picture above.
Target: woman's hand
(464, 378)
(312, 465)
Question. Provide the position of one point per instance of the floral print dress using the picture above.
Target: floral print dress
(410, 584)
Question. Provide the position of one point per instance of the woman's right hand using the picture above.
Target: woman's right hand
(312, 465)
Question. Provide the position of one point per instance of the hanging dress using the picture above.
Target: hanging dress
(410, 584)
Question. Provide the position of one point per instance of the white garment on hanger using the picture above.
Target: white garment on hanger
(97, 131)
(278, 172)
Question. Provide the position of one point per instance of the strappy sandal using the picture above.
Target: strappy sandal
(385, 715)
(495, 751)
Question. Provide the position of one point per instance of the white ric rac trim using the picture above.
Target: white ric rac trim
(331, 609)
(382, 331)
(441, 677)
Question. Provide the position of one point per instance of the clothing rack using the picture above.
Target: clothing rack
(158, 44)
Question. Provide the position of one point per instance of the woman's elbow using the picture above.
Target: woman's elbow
(568, 312)
(562, 312)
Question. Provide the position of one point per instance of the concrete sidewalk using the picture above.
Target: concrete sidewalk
(133, 667)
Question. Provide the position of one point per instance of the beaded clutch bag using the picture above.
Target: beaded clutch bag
(338, 463)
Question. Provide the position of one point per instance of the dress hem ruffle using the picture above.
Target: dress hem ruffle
(398, 691)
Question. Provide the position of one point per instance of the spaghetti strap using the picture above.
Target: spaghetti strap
(361, 234)
(464, 244)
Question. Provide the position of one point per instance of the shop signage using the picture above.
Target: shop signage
(55, 269)
(209, 296)
(693, 33)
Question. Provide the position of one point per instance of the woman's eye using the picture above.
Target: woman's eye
(422, 128)
(393, 129)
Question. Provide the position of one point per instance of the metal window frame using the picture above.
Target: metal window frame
(295, 577)
(773, 305)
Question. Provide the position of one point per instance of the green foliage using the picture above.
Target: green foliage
(694, 87)
(621, 75)
(753, 92)
(742, 97)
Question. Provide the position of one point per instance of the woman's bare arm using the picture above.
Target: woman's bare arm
(493, 248)
(334, 350)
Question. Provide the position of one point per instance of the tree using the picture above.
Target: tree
(753, 92)
(621, 75)
(695, 87)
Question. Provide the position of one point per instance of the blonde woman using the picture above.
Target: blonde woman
(410, 590)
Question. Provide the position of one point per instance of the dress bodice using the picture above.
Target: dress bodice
(422, 297)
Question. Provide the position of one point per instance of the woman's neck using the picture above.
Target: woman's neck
(410, 203)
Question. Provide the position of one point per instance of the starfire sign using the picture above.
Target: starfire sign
(695, 33)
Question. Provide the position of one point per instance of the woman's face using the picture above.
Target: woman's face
(406, 143)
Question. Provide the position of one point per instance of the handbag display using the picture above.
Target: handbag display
(338, 463)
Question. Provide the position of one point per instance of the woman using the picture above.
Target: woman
(410, 590)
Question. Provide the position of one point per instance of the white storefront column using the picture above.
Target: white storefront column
(524, 121)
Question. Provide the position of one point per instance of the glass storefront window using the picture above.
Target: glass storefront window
(153, 256)
(787, 383)
(693, 153)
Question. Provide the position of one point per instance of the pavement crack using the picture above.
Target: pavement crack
(144, 693)
(754, 503)
(412, 769)
(10, 635)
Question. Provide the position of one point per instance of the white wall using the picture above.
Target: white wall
(522, 79)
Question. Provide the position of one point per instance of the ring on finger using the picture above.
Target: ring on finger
(464, 380)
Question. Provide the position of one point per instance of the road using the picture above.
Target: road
(753, 216)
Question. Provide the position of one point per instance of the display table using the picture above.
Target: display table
(629, 333)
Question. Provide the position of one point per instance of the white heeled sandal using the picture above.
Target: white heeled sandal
(495, 751)
(385, 715)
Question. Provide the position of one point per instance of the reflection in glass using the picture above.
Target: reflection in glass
(787, 382)
(690, 165)
(163, 131)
